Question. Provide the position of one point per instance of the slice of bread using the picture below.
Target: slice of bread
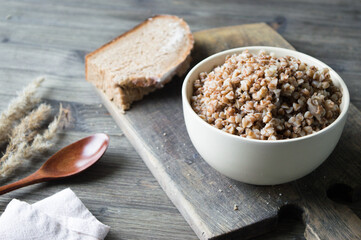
(141, 60)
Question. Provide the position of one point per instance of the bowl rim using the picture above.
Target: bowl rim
(187, 106)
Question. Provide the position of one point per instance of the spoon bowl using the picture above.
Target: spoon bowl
(68, 161)
(77, 156)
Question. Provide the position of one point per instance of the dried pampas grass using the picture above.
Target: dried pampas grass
(42, 142)
(25, 131)
(25, 138)
(17, 109)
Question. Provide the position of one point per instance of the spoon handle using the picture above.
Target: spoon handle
(36, 177)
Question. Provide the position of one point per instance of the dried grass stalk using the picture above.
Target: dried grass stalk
(21, 136)
(42, 142)
(18, 108)
(13, 160)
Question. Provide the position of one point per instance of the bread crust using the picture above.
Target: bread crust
(135, 88)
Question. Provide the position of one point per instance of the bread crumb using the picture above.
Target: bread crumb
(235, 207)
(137, 74)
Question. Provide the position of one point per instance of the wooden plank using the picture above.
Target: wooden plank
(156, 129)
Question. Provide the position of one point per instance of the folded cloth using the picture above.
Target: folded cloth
(60, 216)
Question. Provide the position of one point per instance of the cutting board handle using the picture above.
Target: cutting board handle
(329, 220)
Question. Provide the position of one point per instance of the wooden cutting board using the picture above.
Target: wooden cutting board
(205, 198)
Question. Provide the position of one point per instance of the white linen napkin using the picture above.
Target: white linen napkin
(61, 216)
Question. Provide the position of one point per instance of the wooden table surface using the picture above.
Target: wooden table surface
(51, 38)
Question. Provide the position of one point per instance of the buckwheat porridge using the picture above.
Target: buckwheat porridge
(268, 98)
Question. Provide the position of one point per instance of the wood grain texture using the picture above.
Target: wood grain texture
(156, 128)
(51, 38)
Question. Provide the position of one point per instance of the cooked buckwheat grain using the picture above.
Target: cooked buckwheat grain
(268, 98)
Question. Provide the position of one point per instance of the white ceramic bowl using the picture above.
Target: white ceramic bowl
(258, 161)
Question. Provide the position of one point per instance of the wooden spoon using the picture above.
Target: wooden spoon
(70, 160)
